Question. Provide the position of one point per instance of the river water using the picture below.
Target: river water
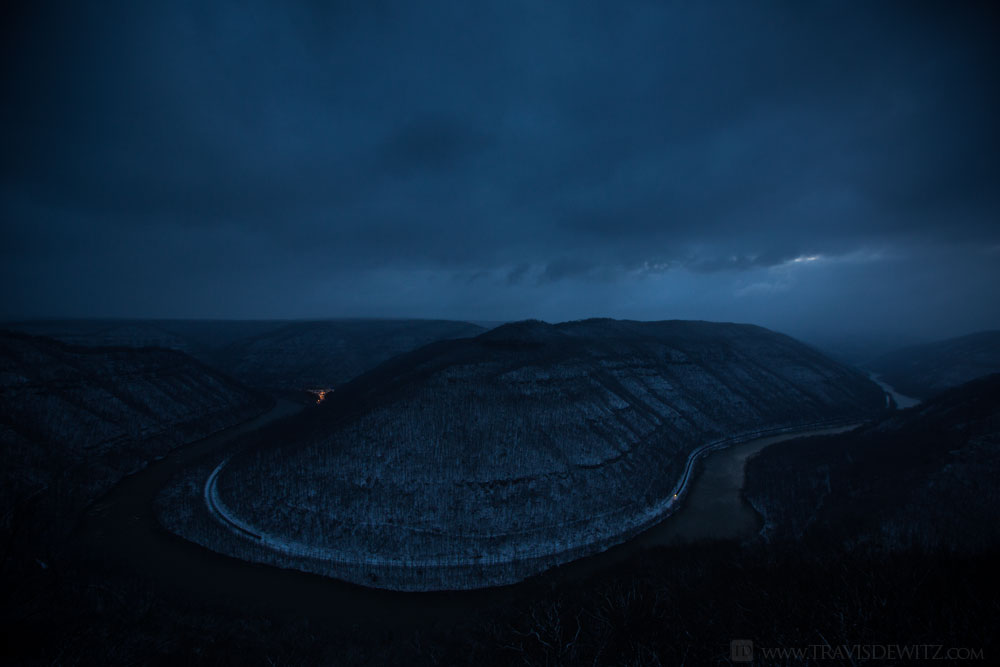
(714, 508)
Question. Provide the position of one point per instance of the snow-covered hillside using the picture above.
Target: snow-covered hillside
(481, 461)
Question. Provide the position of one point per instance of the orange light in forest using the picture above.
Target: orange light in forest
(320, 394)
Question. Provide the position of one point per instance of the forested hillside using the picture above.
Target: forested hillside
(924, 478)
(73, 420)
(481, 461)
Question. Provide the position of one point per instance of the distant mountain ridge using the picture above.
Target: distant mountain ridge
(925, 370)
(482, 460)
(300, 355)
(274, 354)
(199, 338)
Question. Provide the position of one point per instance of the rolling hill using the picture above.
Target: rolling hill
(484, 460)
(73, 420)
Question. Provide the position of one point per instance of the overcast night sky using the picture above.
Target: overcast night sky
(804, 166)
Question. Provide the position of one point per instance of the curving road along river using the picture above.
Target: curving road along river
(122, 531)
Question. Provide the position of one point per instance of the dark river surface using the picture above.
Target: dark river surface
(715, 509)
(121, 531)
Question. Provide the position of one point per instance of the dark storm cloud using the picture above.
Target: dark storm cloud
(511, 159)
(431, 143)
(567, 267)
